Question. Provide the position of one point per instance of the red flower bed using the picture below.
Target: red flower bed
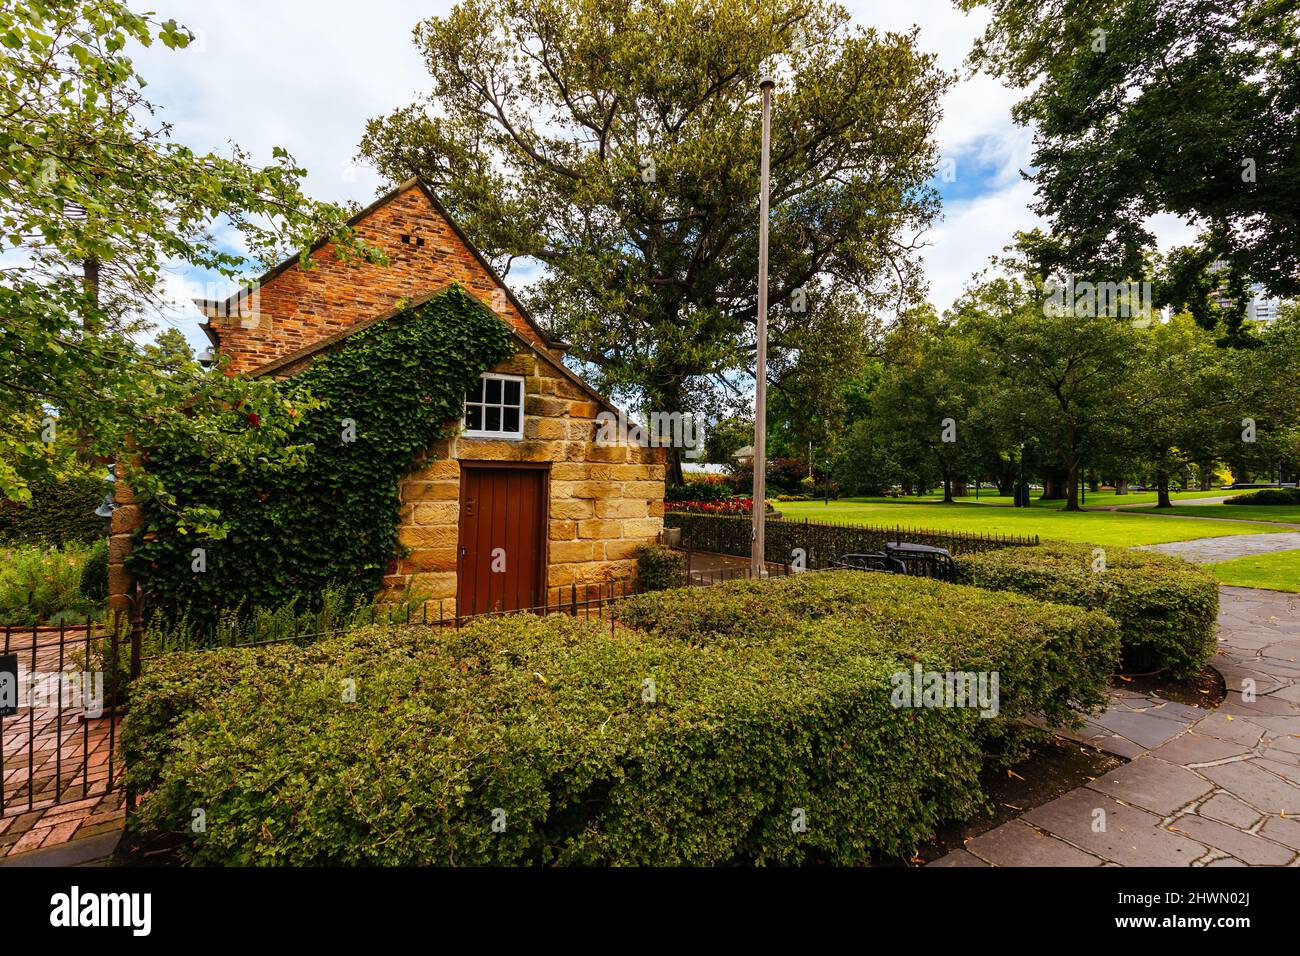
(729, 506)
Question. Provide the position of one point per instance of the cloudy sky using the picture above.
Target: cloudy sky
(287, 73)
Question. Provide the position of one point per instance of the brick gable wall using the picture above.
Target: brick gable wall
(297, 307)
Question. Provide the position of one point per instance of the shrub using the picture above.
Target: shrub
(60, 513)
(38, 585)
(697, 490)
(1166, 608)
(94, 574)
(1267, 496)
(658, 567)
(543, 726)
(1054, 661)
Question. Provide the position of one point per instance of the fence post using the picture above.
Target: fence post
(137, 629)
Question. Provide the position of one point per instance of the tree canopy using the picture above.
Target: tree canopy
(1189, 107)
(618, 145)
(96, 202)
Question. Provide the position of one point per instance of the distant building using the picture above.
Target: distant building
(1260, 308)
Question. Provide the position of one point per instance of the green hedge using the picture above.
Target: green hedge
(1267, 496)
(822, 542)
(1167, 609)
(1054, 662)
(547, 720)
(60, 513)
(658, 568)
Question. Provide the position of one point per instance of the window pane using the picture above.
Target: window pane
(476, 393)
(493, 391)
(512, 393)
(510, 420)
(473, 417)
(493, 419)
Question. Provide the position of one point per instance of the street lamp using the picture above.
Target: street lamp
(758, 552)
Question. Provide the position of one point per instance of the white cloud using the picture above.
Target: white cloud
(971, 232)
(307, 74)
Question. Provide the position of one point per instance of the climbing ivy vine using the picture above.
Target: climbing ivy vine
(330, 517)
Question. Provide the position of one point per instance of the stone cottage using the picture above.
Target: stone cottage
(524, 472)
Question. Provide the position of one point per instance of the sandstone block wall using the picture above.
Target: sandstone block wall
(604, 501)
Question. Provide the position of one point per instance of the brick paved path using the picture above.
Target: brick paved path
(1217, 788)
(56, 765)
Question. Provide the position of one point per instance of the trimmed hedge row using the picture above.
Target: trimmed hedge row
(1166, 608)
(1267, 496)
(822, 542)
(704, 738)
(60, 513)
(1054, 662)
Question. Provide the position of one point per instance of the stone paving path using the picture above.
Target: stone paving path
(1177, 501)
(1210, 550)
(1203, 788)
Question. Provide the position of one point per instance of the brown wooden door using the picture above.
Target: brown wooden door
(502, 538)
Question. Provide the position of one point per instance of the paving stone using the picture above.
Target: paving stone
(1146, 729)
(1117, 745)
(1250, 849)
(1238, 730)
(1282, 830)
(1260, 706)
(958, 858)
(1235, 676)
(1286, 768)
(1133, 837)
(1230, 810)
(1225, 861)
(1018, 844)
(1192, 747)
(1290, 693)
(1286, 742)
(1153, 785)
(1278, 725)
(1253, 784)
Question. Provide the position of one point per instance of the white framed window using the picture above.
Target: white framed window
(495, 408)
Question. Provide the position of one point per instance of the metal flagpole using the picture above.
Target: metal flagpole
(757, 565)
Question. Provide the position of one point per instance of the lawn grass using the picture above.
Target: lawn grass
(1278, 571)
(1112, 528)
(1094, 499)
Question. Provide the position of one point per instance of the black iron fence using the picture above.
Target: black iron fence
(822, 543)
(60, 695)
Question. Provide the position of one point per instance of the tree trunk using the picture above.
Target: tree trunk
(947, 490)
(1121, 486)
(1162, 488)
(673, 477)
(907, 487)
(1072, 488)
(1007, 482)
(1053, 487)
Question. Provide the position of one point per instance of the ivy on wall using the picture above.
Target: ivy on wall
(387, 394)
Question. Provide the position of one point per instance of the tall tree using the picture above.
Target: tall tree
(1190, 107)
(618, 144)
(1061, 378)
(95, 200)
